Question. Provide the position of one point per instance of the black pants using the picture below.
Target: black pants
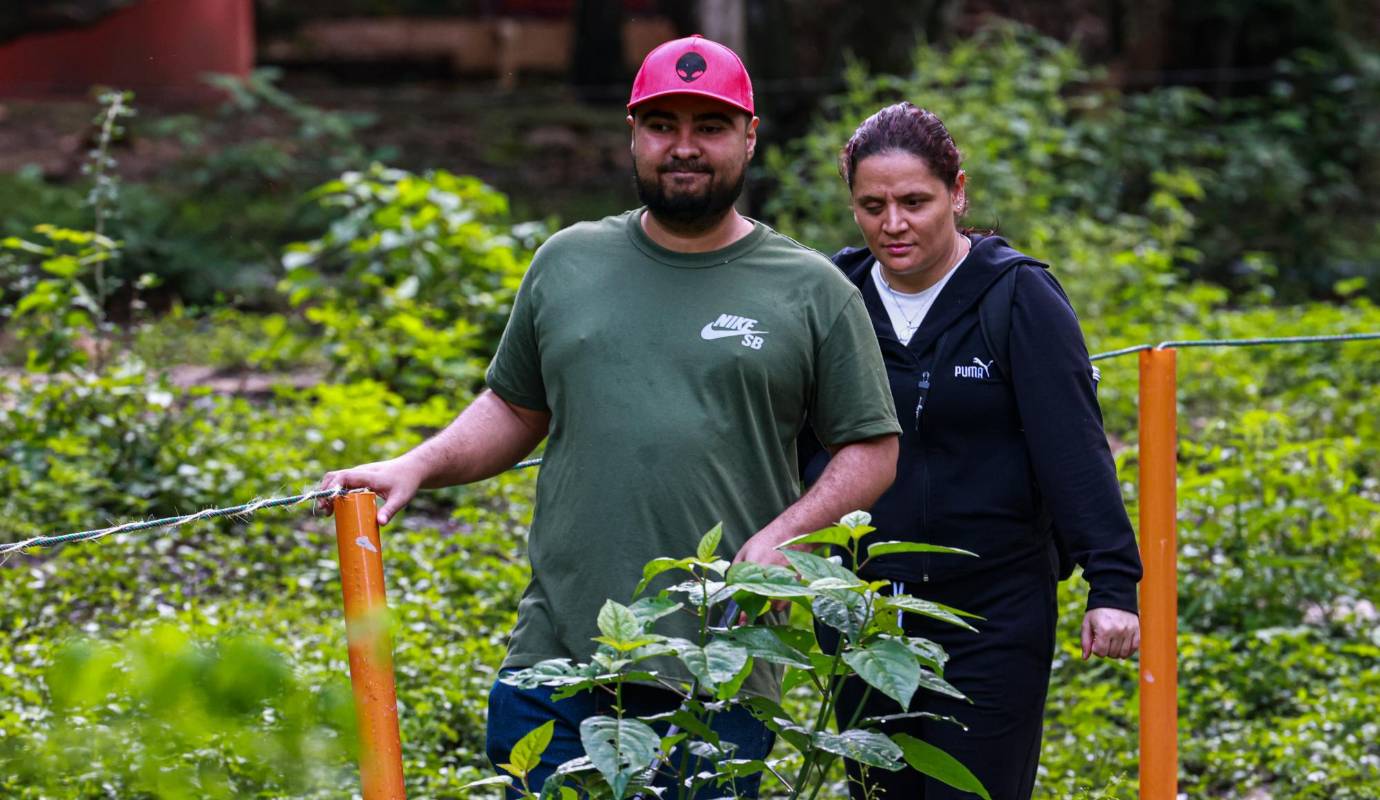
(1003, 669)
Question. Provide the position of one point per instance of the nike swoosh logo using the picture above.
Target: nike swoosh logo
(709, 332)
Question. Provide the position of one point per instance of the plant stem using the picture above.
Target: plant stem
(114, 109)
(827, 709)
(823, 770)
(821, 719)
(867, 692)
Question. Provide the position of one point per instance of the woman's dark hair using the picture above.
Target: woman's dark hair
(903, 127)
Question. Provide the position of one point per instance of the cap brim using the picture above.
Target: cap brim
(697, 92)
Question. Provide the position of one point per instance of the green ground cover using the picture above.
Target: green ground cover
(125, 664)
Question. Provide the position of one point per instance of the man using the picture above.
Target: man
(669, 355)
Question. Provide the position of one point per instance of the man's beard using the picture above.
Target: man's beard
(688, 212)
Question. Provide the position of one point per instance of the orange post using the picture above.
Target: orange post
(1159, 590)
(371, 653)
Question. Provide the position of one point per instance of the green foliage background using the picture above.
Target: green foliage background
(123, 665)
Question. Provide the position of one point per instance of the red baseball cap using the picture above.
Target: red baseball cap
(693, 65)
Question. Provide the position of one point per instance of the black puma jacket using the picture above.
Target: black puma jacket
(977, 463)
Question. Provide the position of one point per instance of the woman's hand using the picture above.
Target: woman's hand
(1110, 633)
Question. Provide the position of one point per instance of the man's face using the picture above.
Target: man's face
(690, 157)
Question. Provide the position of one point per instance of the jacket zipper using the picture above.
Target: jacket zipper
(925, 378)
(924, 524)
(922, 384)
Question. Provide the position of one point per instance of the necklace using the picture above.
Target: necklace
(899, 299)
(911, 324)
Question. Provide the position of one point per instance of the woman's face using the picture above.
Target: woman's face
(906, 213)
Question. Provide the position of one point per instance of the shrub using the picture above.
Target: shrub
(626, 754)
(413, 282)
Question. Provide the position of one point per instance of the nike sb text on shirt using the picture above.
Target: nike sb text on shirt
(734, 325)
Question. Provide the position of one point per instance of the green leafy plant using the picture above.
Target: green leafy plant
(170, 717)
(626, 754)
(59, 315)
(323, 141)
(63, 278)
(414, 279)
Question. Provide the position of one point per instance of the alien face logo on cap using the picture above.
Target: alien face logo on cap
(690, 66)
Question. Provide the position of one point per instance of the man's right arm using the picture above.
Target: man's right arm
(486, 438)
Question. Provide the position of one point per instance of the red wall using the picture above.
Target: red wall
(158, 48)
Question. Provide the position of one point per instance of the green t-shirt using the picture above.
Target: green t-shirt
(677, 384)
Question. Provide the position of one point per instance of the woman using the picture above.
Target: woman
(987, 459)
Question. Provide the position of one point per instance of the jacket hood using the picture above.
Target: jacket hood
(989, 258)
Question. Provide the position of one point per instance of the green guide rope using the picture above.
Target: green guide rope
(246, 509)
(1264, 340)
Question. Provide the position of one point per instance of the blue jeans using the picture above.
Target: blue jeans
(513, 712)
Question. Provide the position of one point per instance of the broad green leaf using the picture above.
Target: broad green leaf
(62, 266)
(619, 749)
(866, 747)
(885, 718)
(710, 593)
(618, 622)
(934, 683)
(930, 760)
(926, 608)
(794, 678)
(496, 780)
(574, 687)
(715, 663)
(15, 243)
(687, 721)
(552, 671)
(824, 663)
(767, 580)
(740, 767)
(753, 605)
(889, 548)
(889, 667)
(834, 535)
(822, 584)
(45, 296)
(552, 788)
(526, 755)
(608, 662)
(657, 566)
(709, 543)
(932, 654)
(730, 688)
(764, 644)
(627, 645)
(650, 609)
(812, 568)
(779, 721)
(718, 566)
(844, 611)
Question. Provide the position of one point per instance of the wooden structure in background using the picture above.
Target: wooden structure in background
(499, 46)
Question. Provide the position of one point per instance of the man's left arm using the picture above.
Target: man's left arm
(856, 476)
